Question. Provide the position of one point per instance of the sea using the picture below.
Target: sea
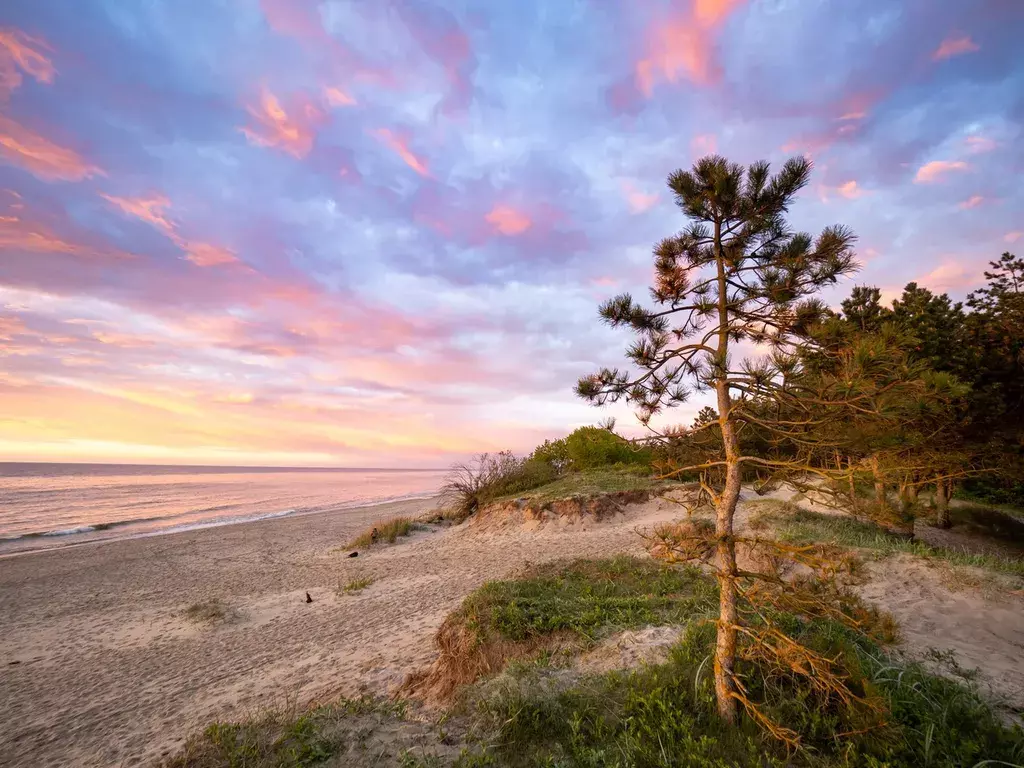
(43, 506)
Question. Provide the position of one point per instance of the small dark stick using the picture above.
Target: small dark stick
(308, 598)
(354, 554)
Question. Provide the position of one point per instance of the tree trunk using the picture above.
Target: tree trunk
(904, 522)
(854, 506)
(725, 560)
(942, 504)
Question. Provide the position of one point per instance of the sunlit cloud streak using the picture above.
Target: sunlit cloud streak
(22, 54)
(23, 147)
(292, 129)
(955, 46)
(399, 144)
(936, 170)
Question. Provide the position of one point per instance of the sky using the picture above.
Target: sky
(330, 233)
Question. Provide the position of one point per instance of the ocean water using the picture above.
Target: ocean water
(51, 505)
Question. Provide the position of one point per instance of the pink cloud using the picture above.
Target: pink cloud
(293, 129)
(704, 144)
(21, 53)
(979, 144)
(508, 221)
(36, 236)
(972, 202)
(399, 144)
(41, 157)
(683, 46)
(839, 120)
(638, 201)
(150, 210)
(936, 169)
(301, 20)
(443, 40)
(207, 255)
(336, 97)
(1012, 237)
(950, 276)
(954, 46)
(850, 190)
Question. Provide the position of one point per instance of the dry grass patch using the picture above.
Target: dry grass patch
(385, 532)
(213, 611)
(356, 585)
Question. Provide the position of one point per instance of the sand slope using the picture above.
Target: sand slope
(109, 673)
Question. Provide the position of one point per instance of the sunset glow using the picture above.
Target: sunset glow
(375, 234)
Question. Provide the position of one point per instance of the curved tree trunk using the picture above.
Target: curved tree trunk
(942, 504)
(725, 561)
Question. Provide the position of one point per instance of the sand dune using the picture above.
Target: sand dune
(99, 667)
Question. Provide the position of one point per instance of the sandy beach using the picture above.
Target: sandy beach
(99, 666)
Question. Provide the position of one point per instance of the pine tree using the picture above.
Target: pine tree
(737, 273)
(864, 308)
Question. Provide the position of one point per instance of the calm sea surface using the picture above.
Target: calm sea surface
(50, 505)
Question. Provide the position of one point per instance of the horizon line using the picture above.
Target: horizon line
(5, 462)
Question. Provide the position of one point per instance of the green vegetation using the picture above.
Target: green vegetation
(357, 585)
(589, 598)
(800, 526)
(385, 532)
(213, 611)
(560, 608)
(291, 739)
(591, 483)
(468, 487)
(665, 715)
(538, 714)
(593, 447)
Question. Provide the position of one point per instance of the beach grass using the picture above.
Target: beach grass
(357, 585)
(800, 526)
(559, 609)
(213, 611)
(285, 738)
(665, 715)
(593, 482)
(387, 532)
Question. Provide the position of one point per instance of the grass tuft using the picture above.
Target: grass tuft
(387, 532)
(357, 585)
(289, 738)
(213, 611)
(800, 526)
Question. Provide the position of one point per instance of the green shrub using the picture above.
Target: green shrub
(590, 448)
(665, 715)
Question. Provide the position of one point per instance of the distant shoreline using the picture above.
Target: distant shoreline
(110, 468)
(193, 528)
